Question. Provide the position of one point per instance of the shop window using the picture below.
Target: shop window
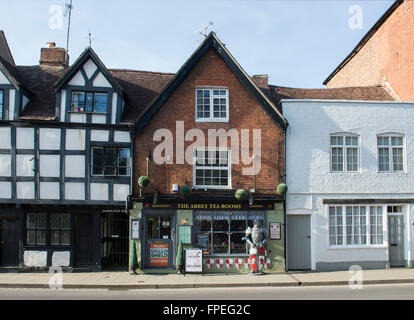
(226, 230)
(96, 102)
(110, 161)
(44, 229)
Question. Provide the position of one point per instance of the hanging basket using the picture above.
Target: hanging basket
(143, 181)
(282, 188)
(241, 194)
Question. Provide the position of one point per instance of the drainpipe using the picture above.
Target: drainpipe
(284, 197)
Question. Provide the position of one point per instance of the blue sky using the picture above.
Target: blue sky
(297, 43)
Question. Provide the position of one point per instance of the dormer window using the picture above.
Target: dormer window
(93, 102)
(212, 104)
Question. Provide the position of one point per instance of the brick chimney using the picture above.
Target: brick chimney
(53, 57)
(261, 80)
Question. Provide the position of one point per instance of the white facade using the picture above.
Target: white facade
(316, 184)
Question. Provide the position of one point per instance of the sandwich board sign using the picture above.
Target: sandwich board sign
(193, 260)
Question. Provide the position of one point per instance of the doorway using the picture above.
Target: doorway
(84, 240)
(9, 241)
(299, 242)
(396, 240)
(159, 241)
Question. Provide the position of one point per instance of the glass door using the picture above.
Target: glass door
(159, 241)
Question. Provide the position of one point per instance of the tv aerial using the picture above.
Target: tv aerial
(203, 30)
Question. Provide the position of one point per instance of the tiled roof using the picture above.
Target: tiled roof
(142, 87)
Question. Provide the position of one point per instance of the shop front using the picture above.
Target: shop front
(217, 227)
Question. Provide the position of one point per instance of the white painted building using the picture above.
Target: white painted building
(350, 174)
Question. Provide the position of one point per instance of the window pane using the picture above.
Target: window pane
(123, 162)
(203, 103)
(41, 237)
(220, 243)
(31, 237)
(89, 102)
(31, 221)
(65, 218)
(352, 159)
(110, 161)
(55, 221)
(396, 141)
(100, 103)
(397, 159)
(55, 238)
(97, 161)
(351, 141)
(383, 141)
(78, 102)
(337, 159)
(41, 220)
(384, 160)
(65, 238)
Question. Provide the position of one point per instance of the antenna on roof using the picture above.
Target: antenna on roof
(69, 8)
(90, 38)
(205, 34)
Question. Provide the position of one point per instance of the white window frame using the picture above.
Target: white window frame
(345, 152)
(390, 154)
(212, 118)
(195, 167)
(368, 244)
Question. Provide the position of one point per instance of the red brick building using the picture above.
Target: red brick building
(384, 56)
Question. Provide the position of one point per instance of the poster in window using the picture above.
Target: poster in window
(135, 229)
(203, 242)
(158, 255)
(184, 234)
(275, 230)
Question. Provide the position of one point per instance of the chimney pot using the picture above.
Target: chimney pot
(51, 44)
(53, 56)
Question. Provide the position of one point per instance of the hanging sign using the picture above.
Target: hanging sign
(193, 260)
(275, 230)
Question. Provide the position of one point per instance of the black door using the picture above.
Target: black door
(9, 241)
(84, 240)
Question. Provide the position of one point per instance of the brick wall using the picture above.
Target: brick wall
(245, 113)
(388, 53)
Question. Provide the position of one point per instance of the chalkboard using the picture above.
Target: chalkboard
(203, 242)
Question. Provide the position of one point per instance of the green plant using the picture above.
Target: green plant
(143, 181)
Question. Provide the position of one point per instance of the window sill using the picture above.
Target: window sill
(358, 247)
(213, 120)
(84, 112)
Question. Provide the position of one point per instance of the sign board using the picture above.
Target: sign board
(203, 242)
(275, 230)
(158, 255)
(203, 205)
(184, 234)
(193, 260)
(135, 223)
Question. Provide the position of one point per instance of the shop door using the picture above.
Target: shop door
(159, 241)
(299, 242)
(396, 241)
(9, 241)
(84, 240)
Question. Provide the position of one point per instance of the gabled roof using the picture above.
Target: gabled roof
(366, 38)
(211, 42)
(13, 75)
(5, 51)
(83, 58)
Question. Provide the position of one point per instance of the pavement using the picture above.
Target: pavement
(125, 281)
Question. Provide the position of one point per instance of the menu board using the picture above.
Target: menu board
(203, 242)
(275, 230)
(184, 234)
(193, 260)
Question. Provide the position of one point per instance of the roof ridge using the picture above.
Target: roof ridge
(142, 71)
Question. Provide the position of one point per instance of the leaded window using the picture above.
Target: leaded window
(48, 229)
(212, 105)
(212, 168)
(110, 161)
(96, 102)
(226, 229)
(390, 153)
(344, 153)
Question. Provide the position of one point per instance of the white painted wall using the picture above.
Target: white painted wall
(5, 190)
(75, 166)
(308, 167)
(121, 192)
(78, 117)
(5, 165)
(74, 191)
(75, 139)
(114, 107)
(49, 191)
(77, 80)
(5, 135)
(100, 135)
(99, 191)
(101, 81)
(61, 259)
(98, 118)
(122, 136)
(24, 138)
(25, 165)
(49, 139)
(89, 67)
(63, 106)
(25, 190)
(49, 166)
(3, 79)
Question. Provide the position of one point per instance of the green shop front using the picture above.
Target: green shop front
(161, 231)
